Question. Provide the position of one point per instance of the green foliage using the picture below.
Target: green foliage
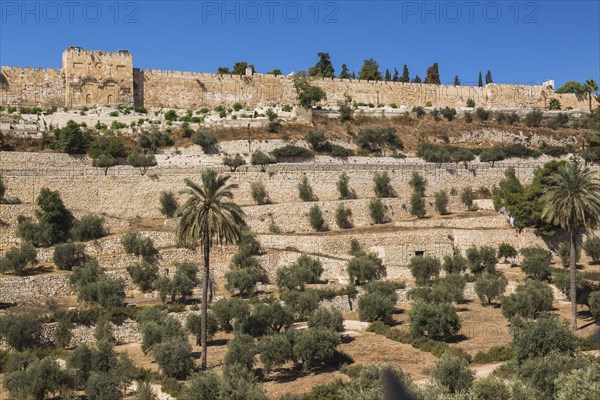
(174, 356)
(240, 384)
(564, 252)
(259, 193)
(377, 211)
(2, 186)
(529, 300)
(419, 111)
(171, 115)
(346, 112)
(312, 347)
(94, 286)
(40, 380)
(291, 151)
(262, 159)
(571, 87)
(245, 269)
(323, 68)
(141, 160)
(378, 303)
(447, 289)
(581, 384)
(445, 153)
(315, 217)
(326, 318)
(433, 75)
(594, 301)
(346, 193)
(453, 373)
(154, 140)
(228, 311)
(307, 95)
(193, 324)
(533, 118)
(19, 330)
(370, 71)
(494, 354)
(203, 386)
(305, 190)
(18, 258)
(540, 337)
(140, 246)
(441, 202)
(382, 185)
(584, 288)
(301, 303)
(143, 274)
(376, 140)
(490, 287)
(182, 283)
(424, 268)
(241, 350)
(168, 204)
(234, 162)
(506, 250)
(317, 140)
(417, 205)
(204, 139)
(482, 259)
(294, 276)
(536, 263)
(365, 267)
(69, 255)
(272, 317)
(275, 350)
(482, 114)
(466, 197)
(63, 334)
(156, 326)
(342, 217)
(107, 144)
(71, 139)
(437, 321)
(454, 264)
(89, 227)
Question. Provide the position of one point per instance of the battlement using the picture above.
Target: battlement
(79, 51)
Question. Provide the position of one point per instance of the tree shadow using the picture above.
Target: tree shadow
(457, 339)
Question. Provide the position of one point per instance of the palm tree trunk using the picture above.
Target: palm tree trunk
(205, 275)
(573, 275)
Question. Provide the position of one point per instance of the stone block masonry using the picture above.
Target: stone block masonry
(90, 78)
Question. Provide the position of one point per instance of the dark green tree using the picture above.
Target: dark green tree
(370, 71)
(323, 68)
(433, 75)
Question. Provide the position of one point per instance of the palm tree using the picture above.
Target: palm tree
(572, 200)
(209, 215)
(590, 87)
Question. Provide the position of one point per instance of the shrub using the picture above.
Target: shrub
(144, 275)
(482, 259)
(204, 139)
(466, 197)
(454, 264)
(343, 187)
(468, 117)
(174, 356)
(471, 103)
(437, 321)
(492, 155)
(335, 150)
(270, 318)
(376, 140)
(315, 346)
(364, 268)
(89, 227)
(539, 338)
(529, 300)
(262, 159)
(482, 114)
(19, 330)
(41, 379)
(93, 286)
(291, 151)
(453, 373)
(382, 186)
(418, 183)
(592, 248)
(533, 118)
(239, 383)
(375, 307)
(301, 303)
(342, 217)
(506, 250)
(377, 211)
(417, 205)
(259, 193)
(490, 287)
(305, 191)
(171, 115)
(513, 118)
(154, 140)
(193, 324)
(2, 186)
(168, 204)
(18, 258)
(554, 104)
(423, 268)
(594, 301)
(562, 281)
(275, 350)
(325, 318)
(419, 111)
(71, 139)
(448, 113)
(142, 161)
(564, 252)
(139, 246)
(536, 263)
(226, 311)
(243, 280)
(69, 255)
(315, 216)
(441, 202)
(234, 162)
(294, 276)
(316, 140)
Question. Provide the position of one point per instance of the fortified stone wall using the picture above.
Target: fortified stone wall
(98, 78)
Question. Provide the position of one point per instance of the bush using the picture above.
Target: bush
(562, 281)
(294, 276)
(453, 373)
(564, 252)
(492, 155)
(335, 150)
(454, 264)
(325, 318)
(533, 118)
(423, 268)
(382, 186)
(154, 140)
(490, 287)
(471, 103)
(18, 258)
(272, 317)
(377, 211)
(315, 217)
(168, 204)
(203, 386)
(482, 259)
(592, 248)
(19, 330)
(437, 321)
(227, 311)
(529, 300)
(316, 140)
(93, 286)
(468, 117)
(448, 113)
(291, 151)
(262, 159)
(243, 280)
(482, 114)
(594, 301)
(538, 338)
(441, 202)
(2, 186)
(536, 263)
(40, 380)
(375, 307)
(315, 346)
(418, 183)
(301, 303)
(275, 350)
(89, 227)
(376, 140)
(69, 255)
(234, 162)
(144, 275)
(364, 267)
(259, 193)
(193, 324)
(139, 246)
(466, 197)
(71, 139)
(554, 104)
(142, 161)
(342, 217)
(205, 139)
(343, 187)
(305, 191)
(174, 356)
(419, 111)
(417, 205)
(506, 250)
(239, 383)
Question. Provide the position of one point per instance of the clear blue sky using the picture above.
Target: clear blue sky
(520, 41)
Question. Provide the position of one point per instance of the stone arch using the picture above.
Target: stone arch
(109, 99)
